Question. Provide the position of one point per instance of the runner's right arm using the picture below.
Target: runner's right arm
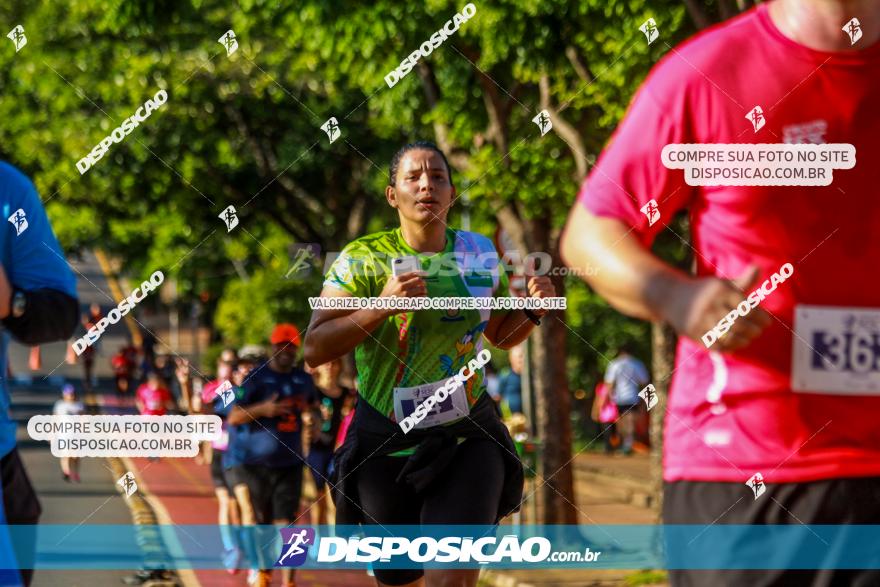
(334, 333)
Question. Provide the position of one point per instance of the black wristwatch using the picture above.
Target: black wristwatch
(532, 316)
(19, 304)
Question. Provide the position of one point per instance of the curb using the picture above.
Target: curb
(150, 540)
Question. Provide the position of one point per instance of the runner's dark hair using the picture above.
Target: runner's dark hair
(427, 145)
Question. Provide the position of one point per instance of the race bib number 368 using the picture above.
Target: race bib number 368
(836, 350)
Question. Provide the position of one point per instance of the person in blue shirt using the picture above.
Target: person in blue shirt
(38, 305)
(626, 375)
(268, 437)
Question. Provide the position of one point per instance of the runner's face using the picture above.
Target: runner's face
(284, 355)
(422, 192)
(241, 373)
(224, 370)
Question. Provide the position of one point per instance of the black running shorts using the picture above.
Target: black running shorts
(831, 501)
(467, 493)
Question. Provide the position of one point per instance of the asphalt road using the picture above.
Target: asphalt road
(93, 501)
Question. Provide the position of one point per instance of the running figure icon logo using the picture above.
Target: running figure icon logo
(302, 255)
(756, 117)
(331, 127)
(854, 29)
(756, 483)
(19, 221)
(229, 42)
(127, 483)
(225, 393)
(652, 211)
(18, 39)
(649, 27)
(649, 394)
(543, 121)
(296, 546)
(229, 217)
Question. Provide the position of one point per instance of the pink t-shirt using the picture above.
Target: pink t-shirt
(209, 391)
(731, 415)
(154, 400)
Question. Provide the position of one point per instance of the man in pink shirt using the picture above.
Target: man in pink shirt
(791, 389)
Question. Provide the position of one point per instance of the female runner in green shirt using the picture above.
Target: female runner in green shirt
(387, 475)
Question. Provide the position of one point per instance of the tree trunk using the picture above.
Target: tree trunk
(663, 358)
(553, 401)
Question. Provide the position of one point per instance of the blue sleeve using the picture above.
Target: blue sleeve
(32, 258)
(643, 372)
(611, 373)
(220, 409)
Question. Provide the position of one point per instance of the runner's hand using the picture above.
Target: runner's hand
(539, 286)
(182, 370)
(408, 285)
(698, 306)
(272, 408)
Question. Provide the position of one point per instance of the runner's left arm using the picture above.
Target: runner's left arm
(34, 264)
(508, 328)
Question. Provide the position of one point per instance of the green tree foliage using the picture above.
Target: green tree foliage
(244, 130)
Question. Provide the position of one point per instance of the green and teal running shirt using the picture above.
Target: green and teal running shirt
(415, 348)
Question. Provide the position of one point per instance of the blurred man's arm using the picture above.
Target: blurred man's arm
(49, 315)
(37, 269)
(634, 281)
(626, 274)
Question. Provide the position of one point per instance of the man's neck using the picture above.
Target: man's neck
(429, 238)
(818, 24)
